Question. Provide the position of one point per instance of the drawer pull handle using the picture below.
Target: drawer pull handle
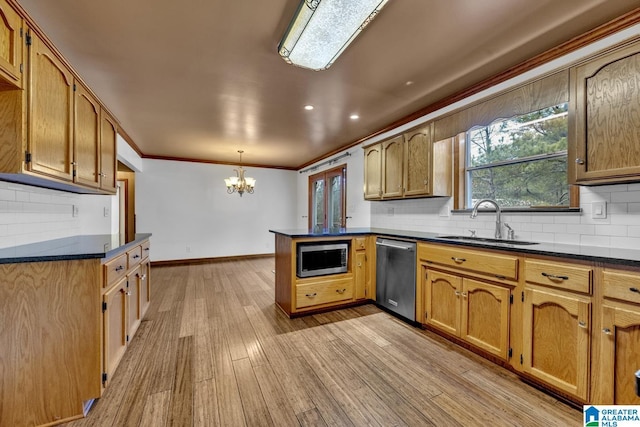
(311, 295)
(582, 324)
(554, 277)
(459, 260)
(146, 249)
(136, 256)
(500, 277)
(464, 294)
(128, 293)
(143, 277)
(607, 331)
(635, 290)
(341, 291)
(120, 268)
(457, 293)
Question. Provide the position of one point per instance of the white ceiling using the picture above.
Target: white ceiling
(201, 79)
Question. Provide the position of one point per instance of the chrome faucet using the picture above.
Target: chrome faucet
(474, 213)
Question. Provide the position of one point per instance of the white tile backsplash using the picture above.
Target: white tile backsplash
(31, 214)
(621, 227)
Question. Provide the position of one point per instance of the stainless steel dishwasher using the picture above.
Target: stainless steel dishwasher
(396, 276)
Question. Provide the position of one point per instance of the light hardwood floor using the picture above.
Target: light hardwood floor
(213, 350)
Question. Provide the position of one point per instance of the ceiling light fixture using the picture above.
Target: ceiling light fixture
(322, 29)
(308, 107)
(239, 183)
(354, 117)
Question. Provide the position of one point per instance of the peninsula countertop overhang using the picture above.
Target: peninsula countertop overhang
(620, 256)
(70, 248)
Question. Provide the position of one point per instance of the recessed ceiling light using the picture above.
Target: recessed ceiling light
(408, 83)
(308, 107)
(354, 117)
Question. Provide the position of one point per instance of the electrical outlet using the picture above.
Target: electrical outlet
(107, 212)
(75, 211)
(599, 210)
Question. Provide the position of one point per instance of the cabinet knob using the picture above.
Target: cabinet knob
(128, 293)
(582, 324)
(580, 161)
(606, 331)
(457, 293)
(464, 294)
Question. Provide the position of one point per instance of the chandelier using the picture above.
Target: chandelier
(239, 183)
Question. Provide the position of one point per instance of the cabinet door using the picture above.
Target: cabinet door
(442, 301)
(485, 316)
(50, 136)
(418, 163)
(145, 287)
(115, 326)
(620, 358)
(556, 339)
(392, 158)
(10, 45)
(373, 172)
(360, 274)
(108, 132)
(86, 138)
(605, 125)
(134, 309)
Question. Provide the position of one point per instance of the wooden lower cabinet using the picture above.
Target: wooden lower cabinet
(556, 339)
(620, 354)
(115, 327)
(476, 311)
(145, 286)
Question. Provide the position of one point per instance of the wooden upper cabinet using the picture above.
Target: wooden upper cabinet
(409, 165)
(50, 124)
(373, 172)
(417, 163)
(604, 141)
(108, 167)
(87, 138)
(10, 46)
(392, 159)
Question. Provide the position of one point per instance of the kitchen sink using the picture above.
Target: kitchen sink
(488, 240)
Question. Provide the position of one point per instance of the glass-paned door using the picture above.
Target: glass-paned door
(327, 199)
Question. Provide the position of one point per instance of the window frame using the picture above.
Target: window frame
(325, 176)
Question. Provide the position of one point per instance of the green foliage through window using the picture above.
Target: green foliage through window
(521, 161)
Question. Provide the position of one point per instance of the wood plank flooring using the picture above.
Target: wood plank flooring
(213, 350)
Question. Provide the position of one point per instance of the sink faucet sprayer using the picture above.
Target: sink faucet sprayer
(474, 213)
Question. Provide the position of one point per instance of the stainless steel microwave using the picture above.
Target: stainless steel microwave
(321, 258)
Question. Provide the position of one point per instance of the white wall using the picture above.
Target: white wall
(31, 214)
(357, 208)
(186, 207)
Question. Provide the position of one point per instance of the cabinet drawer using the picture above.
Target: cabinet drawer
(114, 270)
(360, 243)
(494, 265)
(134, 256)
(146, 249)
(558, 275)
(623, 286)
(324, 292)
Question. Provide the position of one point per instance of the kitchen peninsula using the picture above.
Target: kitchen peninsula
(501, 300)
(73, 304)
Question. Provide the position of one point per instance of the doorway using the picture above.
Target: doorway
(126, 179)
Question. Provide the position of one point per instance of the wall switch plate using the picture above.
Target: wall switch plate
(75, 211)
(107, 211)
(599, 210)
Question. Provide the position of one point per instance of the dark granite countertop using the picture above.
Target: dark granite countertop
(69, 248)
(621, 256)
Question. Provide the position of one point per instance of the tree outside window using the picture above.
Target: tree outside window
(521, 161)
